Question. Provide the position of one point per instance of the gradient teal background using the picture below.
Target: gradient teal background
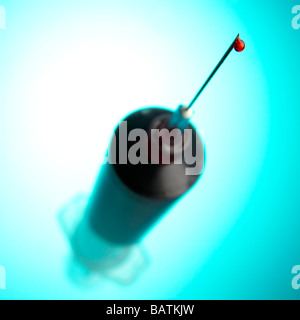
(70, 70)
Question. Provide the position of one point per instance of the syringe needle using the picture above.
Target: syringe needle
(183, 114)
(238, 45)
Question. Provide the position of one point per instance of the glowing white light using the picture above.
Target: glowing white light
(81, 96)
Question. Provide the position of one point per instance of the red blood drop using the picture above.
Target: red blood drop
(239, 45)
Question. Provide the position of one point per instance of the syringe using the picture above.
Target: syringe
(129, 197)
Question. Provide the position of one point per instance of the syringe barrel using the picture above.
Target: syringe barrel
(129, 198)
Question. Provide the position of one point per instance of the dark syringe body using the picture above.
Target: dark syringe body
(129, 198)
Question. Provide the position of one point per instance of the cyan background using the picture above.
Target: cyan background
(70, 70)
